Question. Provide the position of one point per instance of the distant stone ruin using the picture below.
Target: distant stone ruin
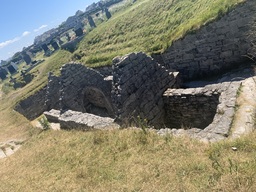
(108, 14)
(11, 69)
(3, 73)
(79, 32)
(91, 21)
(55, 45)
(26, 58)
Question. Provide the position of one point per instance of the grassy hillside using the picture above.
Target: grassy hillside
(149, 26)
(124, 160)
(128, 160)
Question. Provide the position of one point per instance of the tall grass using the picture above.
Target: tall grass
(128, 160)
(149, 26)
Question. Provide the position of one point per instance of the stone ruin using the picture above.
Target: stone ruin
(138, 85)
(55, 45)
(134, 91)
(45, 48)
(26, 58)
(79, 32)
(91, 21)
(3, 73)
(141, 88)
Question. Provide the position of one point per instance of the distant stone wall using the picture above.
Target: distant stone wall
(33, 106)
(215, 47)
(53, 92)
(138, 85)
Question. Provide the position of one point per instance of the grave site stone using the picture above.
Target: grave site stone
(45, 48)
(26, 58)
(108, 14)
(2, 73)
(55, 45)
(11, 69)
(79, 32)
(91, 21)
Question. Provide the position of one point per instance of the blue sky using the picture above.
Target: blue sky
(22, 20)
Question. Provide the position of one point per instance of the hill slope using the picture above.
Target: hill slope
(149, 26)
(126, 160)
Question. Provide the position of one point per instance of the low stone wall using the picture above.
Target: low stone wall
(138, 85)
(33, 106)
(215, 47)
(221, 123)
(187, 108)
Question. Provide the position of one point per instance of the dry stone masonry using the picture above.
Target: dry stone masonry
(33, 106)
(138, 85)
(211, 125)
(215, 47)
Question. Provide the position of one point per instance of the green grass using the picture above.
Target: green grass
(123, 160)
(149, 26)
(128, 160)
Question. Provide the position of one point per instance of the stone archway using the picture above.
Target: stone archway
(95, 102)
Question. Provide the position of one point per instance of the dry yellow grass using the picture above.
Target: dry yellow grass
(119, 160)
(128, 160)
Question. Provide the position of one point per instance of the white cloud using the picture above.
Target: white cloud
(25, 33)
(8, 42)
(41, 27)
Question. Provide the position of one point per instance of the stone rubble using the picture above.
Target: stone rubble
(9, 147)
(81, 121)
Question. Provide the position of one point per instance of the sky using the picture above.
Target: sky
(22, 20)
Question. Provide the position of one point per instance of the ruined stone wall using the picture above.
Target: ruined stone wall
(105, 70)
(215, 47)
(83, 88)
(219, 128)
(189, 108)
(33, 106)
(53, 92)
(138, 85)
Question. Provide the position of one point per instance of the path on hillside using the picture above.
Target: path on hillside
(244, 119)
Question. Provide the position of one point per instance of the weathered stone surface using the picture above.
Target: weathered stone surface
(75, 79)
(138, 85)
(52, 115)
(194, 107)
(33, 106)
(195, 113)
(215, 47)
(85, 121)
